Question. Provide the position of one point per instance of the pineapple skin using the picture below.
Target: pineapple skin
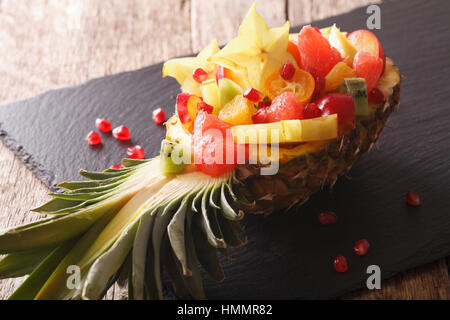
(304, 175)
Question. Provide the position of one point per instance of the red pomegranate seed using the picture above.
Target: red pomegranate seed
(318, 30)
(93, 138)
(200, 75)
(287, 71)
(103, 125)
(253, 95)
(205, 107)
(312, 111)
(117, 166)
(220, 74)
(412, 198)
(263, 104)
(376, 96)
(159, 116)
(260, 116)
(361, 247)
(136, 152)
(327, 217)
(340, 264)
(121, 133)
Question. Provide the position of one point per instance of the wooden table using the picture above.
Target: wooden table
(47, 44)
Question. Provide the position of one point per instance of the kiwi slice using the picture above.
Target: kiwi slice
(171, 157)
(357, 88)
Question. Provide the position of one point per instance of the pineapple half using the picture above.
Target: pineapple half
(136, 223)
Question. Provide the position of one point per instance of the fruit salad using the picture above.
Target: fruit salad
(307, 87)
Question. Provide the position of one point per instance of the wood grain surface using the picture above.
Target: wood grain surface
(48, 44)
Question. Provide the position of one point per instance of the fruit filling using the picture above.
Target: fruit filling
(305, 88)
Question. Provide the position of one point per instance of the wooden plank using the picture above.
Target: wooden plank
(305, 11)
(49, 44)
(220, 19)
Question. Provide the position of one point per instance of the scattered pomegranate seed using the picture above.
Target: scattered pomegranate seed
(121, 133)
(200, 75)
(220, 74)
(361, 247)
(412, 198)
(205, 107)
(136, 152)
(253, 95)
(318, 30)
(287, 71)
(117, 166)
(103, 125)
(260, 116)
(311, 110)
(376, 96)
(327, 217)
(93, 138)
(340, 264)
(159, 116)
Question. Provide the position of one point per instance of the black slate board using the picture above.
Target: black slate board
(288, 255)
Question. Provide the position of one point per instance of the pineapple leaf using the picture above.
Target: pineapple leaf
(57, 205)
(33, 284)
(207, 255)
(103, 175)
(139, 254)
(227, 210)
(108, 264)
(21, 263)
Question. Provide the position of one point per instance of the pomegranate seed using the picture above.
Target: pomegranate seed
(361, 247)
(93, 138)
(253, 95)
(260, 116)
(287, 71)
(312, 111)
(136, 152)
(376, 96)
(340, 264)
(220, 74)
(121, 133)
(200, 75)
(412, 198)
(103, 125)
(159, 116)
(117, 166)
(205, 107)
(327, 217)
(318, 30)
(263, 104)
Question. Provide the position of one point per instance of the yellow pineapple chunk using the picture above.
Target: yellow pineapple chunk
(238, 111)
(338, 40)
(335, 77)
(288, 131)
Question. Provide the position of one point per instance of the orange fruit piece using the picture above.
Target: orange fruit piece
(238, 111)
(302, 85)
(335, 77)
(293, 50)
(192, 107)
